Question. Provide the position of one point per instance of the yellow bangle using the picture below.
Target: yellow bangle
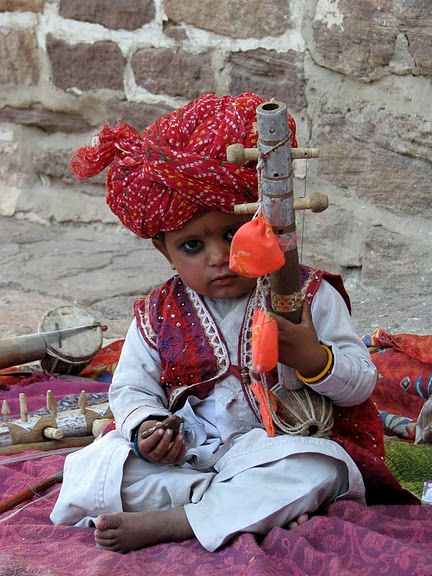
(321, 374)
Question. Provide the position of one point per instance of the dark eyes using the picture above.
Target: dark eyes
(230, 234)
(193, 246)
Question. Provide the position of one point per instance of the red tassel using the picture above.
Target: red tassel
(259, 393)
(264, 341)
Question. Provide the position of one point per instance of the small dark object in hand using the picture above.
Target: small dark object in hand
(171, 423)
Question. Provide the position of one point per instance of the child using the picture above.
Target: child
(221, 474)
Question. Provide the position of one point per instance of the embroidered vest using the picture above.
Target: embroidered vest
(175, 321)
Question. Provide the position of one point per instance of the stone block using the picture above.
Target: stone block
(47, 120)
(21, 5)
(384, 156)
(13, 168)
(137, 114)
(420, 46)
(19, 64)
(53, 164)
(271, 75)
(86, 66)
(55, 202)
(114, 14)
(355, 38)
(175, 32)
(332, 240)
(100, 269)
(395, 264)
(241, 19)
(11, 158)
(163, 71)
(416, 23)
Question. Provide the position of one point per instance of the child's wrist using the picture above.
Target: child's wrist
(321, 374)
(136, 433)
(135, 438)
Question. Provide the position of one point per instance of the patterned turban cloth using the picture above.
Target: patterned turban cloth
(157, 181)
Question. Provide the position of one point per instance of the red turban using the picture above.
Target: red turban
(177, 168)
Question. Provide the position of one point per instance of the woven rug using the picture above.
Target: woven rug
(410, 463)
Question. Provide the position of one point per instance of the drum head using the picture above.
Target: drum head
(75, 347)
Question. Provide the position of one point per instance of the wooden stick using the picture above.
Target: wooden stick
(237, 154)
(73, 442)
(28, 493)
(16, 351)
(53, 433)
(316, 202)
(99, 426)
(278, 201)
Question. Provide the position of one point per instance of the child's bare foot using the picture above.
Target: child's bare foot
(298, 521)
(125, 531)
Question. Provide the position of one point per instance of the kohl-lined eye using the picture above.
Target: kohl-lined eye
(230, 234)
(192, 246)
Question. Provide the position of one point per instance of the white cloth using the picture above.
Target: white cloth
(253, 482)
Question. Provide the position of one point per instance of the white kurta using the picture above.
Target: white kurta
(235, 478)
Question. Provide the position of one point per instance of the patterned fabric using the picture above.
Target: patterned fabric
(177, 168)
(347, 539)
(191, 360)
(404, 365)
(418, 347)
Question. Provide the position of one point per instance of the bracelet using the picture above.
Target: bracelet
(135, 443)
(321, 375)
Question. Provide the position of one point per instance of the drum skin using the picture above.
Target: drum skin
(70, 353)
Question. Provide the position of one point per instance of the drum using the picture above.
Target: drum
(72, 350)
(302, 412)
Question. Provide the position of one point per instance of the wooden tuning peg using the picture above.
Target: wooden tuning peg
(51, 403)
(23, 407)
(5, 411)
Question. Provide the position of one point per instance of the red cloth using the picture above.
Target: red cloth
(177, 168)
(404, 365)
(418, 347)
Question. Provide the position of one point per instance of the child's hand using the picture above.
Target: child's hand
(160, 446)
(299, 346)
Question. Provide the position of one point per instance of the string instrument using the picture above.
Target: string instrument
(76, 422)
(30, 492)
(300, 410)
(67, 339)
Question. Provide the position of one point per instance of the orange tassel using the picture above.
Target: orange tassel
(259, 393)
(264, 341)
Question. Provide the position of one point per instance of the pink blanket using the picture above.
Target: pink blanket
(350, 539)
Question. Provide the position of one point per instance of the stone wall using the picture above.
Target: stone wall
(355, 75)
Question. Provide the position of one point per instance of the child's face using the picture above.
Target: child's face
(200, 254)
